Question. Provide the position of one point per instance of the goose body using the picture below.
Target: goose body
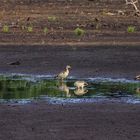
(80, 84)
(64, 74)
(137, 77)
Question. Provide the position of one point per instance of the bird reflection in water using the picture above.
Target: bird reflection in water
(62, 86)
(80, 91)
(138, 90)
(80, 88)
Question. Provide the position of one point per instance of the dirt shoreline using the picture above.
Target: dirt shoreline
(86, 61)
(70, 122)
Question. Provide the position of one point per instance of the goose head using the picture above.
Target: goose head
(68, 67)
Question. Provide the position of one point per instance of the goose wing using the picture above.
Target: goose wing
(61, 74)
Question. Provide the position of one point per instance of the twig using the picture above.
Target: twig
(132, 2)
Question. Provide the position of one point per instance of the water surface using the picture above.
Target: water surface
(25, 88)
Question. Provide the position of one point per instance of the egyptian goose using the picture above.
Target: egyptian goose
(64, 74)
(80, 84)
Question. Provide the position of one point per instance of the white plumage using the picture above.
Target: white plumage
(80, 91)
(80, 84)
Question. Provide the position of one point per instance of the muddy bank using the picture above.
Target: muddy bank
(66, 122)
(105, 61)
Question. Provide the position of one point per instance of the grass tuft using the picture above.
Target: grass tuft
(45, 30)
(52, 18)
(131, 29)
(79, 32)
(30, 29)
(5, 29)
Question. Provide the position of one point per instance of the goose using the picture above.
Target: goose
(137, 77)
(80, 84)
(80, 91)
(64, 74)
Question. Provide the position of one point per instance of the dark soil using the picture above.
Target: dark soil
(100, 19)
(105, 61)
(42, 121)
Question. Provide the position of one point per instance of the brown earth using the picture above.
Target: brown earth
(41, 121)
(86, 61)
(100, 19)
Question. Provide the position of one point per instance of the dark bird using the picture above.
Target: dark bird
(14, 63)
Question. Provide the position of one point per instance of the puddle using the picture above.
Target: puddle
(24, 89)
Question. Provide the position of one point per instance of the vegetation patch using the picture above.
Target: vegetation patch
(131, 29)
(52, 18)
(5, 29)
(45, 30)
(30, 29)
(79, 32)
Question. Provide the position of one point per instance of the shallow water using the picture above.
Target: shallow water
(27, 88)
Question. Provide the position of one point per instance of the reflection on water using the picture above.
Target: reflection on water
(34, 88)
(80, 91)
(138, 90)
(62, 86)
